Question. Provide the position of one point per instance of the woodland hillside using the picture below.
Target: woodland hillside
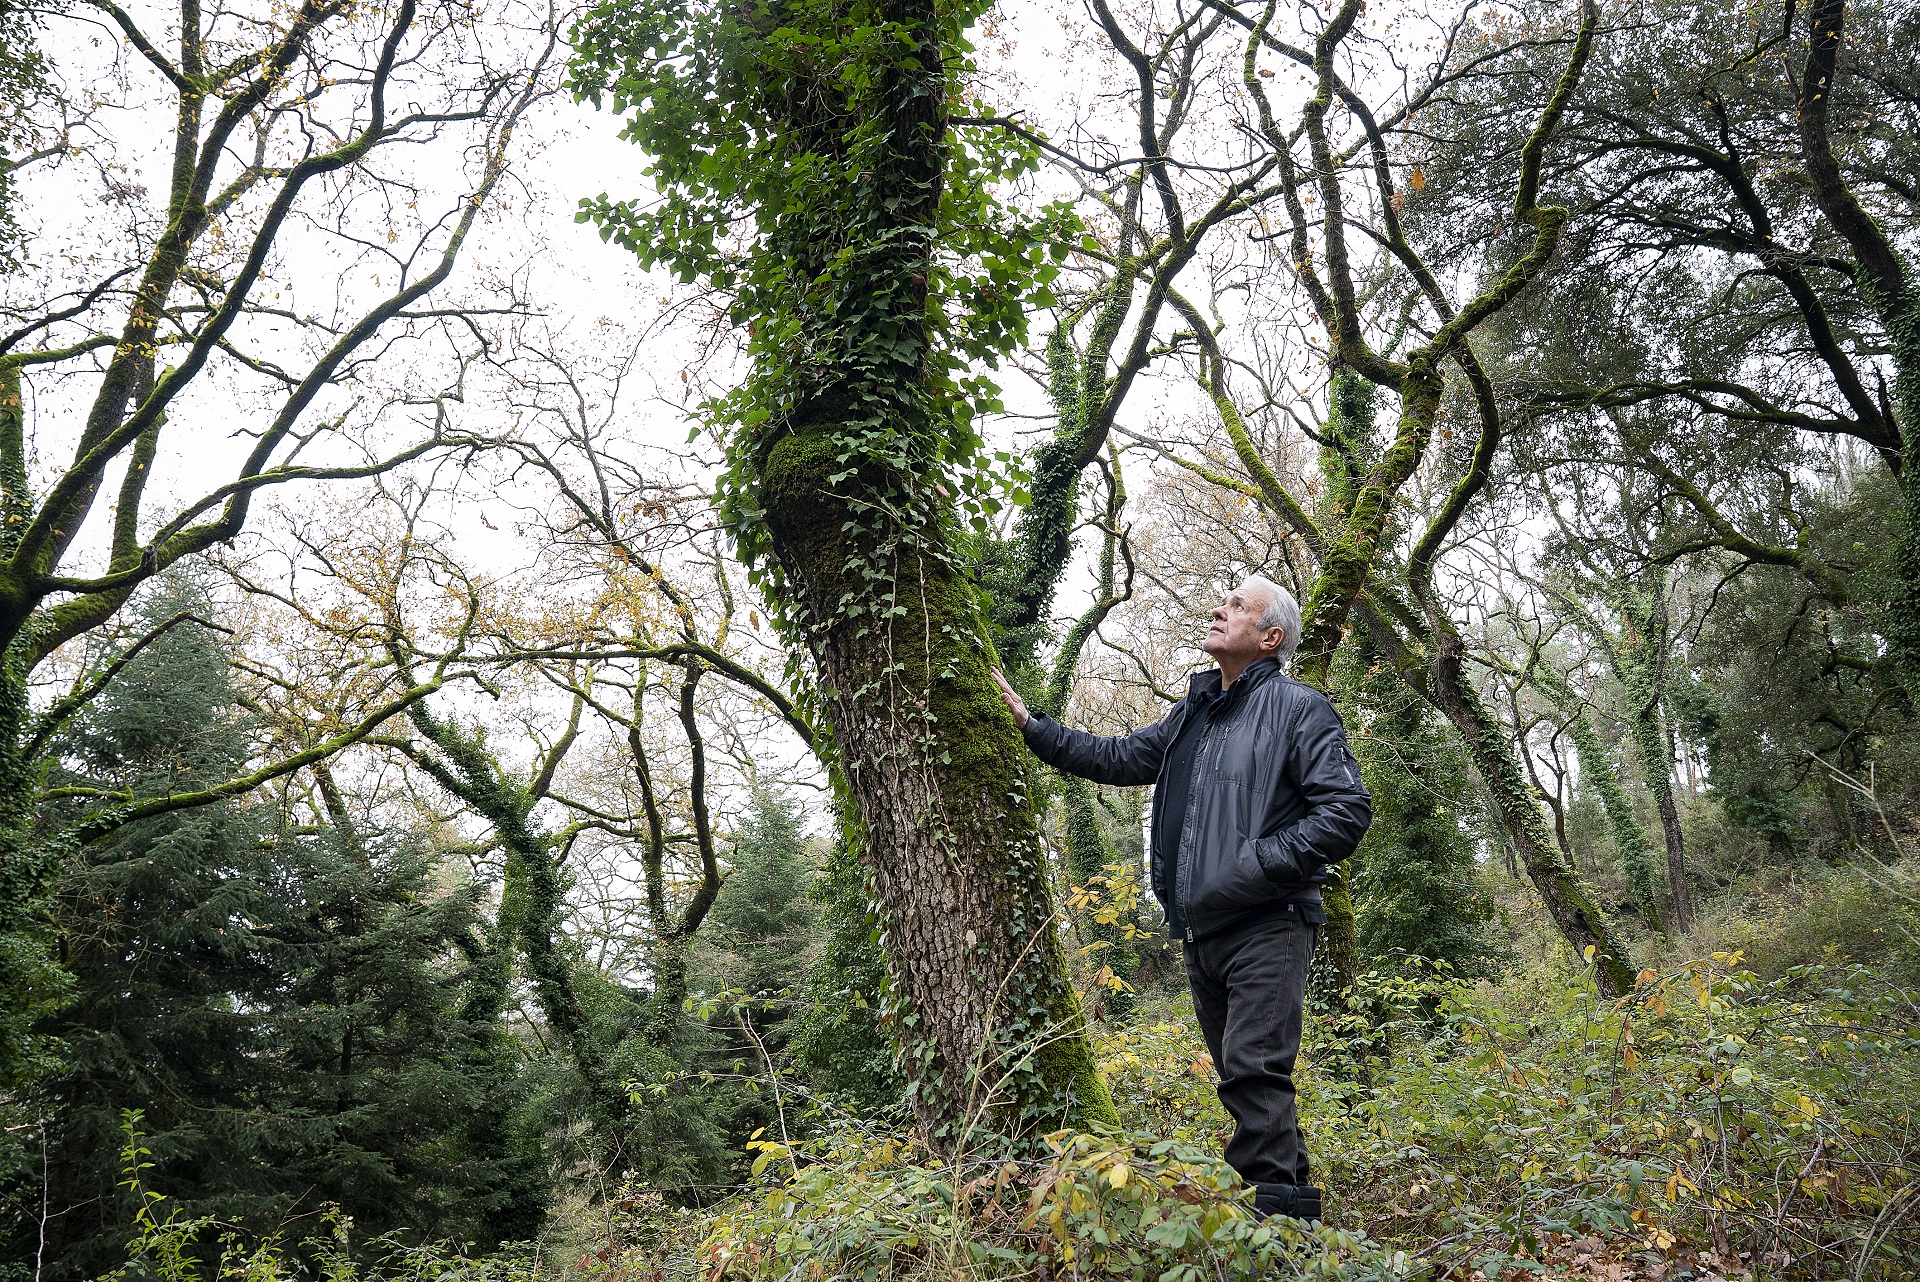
(510, 514)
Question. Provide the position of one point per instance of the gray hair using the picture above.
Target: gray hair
(1282, 612)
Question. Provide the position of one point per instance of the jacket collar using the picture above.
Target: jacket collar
(1206, 685)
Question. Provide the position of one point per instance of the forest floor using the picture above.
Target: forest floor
(1736, 1118)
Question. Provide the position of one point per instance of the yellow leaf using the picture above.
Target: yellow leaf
(1418, 181)
(1117, 1175)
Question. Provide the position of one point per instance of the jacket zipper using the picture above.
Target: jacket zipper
(1186, 862)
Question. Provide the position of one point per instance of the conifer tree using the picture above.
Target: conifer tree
(763, 920)
(289, 1012)
(841, 1047)
(1415, 887)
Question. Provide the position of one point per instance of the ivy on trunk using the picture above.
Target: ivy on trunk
(806, 170)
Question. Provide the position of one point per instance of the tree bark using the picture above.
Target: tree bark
(1343, 928)
(1567, 899)
(990, 1030)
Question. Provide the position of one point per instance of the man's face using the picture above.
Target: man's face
(1235, 633)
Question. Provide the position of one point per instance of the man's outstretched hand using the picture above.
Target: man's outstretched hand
(1015, 703)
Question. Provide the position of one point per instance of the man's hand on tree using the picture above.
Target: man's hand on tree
(1015, 704)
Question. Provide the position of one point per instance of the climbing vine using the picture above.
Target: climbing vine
(806, 175)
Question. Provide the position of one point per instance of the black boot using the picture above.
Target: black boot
(1300, 1201)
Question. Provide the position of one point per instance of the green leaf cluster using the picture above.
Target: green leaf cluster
(768, 128)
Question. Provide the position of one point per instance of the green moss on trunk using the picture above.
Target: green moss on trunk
(991, 1029)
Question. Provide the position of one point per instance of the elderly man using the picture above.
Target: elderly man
(1255, 794)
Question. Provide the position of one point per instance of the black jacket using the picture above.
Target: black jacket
(1276, 794)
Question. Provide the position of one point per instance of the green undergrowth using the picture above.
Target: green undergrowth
(1865, 912)
(1711, 1124)
(855, 1205)
(167, 1246)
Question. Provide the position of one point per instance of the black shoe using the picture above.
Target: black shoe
(1300, 1201)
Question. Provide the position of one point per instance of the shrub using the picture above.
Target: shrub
(168, 1247)
(1714, 1121)
(1161, 1078)
(1710, 1119)
(1863, 913)
(1087, 1206)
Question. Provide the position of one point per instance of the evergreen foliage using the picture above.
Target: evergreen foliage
(839, 1042)
(697, 1100)
(283, 1007)
(24, 86)
(762, 924)
(1417, 889)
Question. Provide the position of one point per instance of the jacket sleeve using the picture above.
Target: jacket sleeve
(1338, 806)
(1120, 760)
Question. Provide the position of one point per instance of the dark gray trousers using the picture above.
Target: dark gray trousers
(1248, 985)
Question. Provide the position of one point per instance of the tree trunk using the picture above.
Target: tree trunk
(1342, 930)
(31, 983)
(1568, 900)
(991, 1030)
(533, 896)
(1650, 734)
(1629, 838)
(1643, 666)
(850, 479)
(1676, 862)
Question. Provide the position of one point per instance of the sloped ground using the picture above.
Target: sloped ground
(1713, 1125)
